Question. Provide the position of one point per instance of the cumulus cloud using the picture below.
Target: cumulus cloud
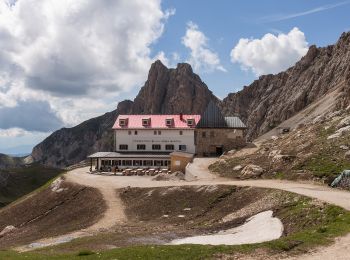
(13, 132)
(201, 57)
(72, 56)
(72, 47)
(271, 53)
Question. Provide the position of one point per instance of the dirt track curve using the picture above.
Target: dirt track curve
(107, 184)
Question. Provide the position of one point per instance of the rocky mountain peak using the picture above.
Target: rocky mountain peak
(344, 39)
(166, 91)
(172, 91)
(184, 68)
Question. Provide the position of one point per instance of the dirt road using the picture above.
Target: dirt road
(107, 184)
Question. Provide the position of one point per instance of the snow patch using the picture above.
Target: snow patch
(259, 228)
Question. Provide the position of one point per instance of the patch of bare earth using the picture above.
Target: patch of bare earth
(160, 215)
(59, 209)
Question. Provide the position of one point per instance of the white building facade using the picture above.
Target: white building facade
(155, 141)
(155, 133)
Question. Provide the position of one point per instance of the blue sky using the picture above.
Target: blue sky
(224, 22)
(62, 62)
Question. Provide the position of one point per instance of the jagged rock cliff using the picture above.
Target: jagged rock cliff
(272, 99)
(166, 91)
(169, 91)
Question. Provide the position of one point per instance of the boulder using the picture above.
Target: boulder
(347, 155)
(222, 161)
(231, 152)
(238, 168)
(344, 147)
(251, 171)
(7, 230)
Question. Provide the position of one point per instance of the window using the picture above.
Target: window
(123, 147)
(212, 134)
(123, 122)
(169, 122)
(204, 134)
(159, 132)
(169, 147)
(148, 163)
(155, 132)
(155, 146)
(129, 132)
(167, 163)
(137, 163)
(190, 122)
(146, 121)
(158, 163)
(182, 147)
(116, 162)
(141, 147)
(181, 133)
(126, 162)
(135, 132)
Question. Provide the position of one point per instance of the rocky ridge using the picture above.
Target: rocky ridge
(272, 99)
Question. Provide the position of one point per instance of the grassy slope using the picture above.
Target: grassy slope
(314, 228)
(316, 156)
(22, 181)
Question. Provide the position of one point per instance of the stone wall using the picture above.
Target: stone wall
(210, 141)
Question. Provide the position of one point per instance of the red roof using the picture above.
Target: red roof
(156, 121)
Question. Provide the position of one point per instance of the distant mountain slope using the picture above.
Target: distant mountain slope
(7, 161)
(17, 182)
(166, 91)
(272, 99)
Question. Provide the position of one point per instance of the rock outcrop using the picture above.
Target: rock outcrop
(170, 91)
(166, 91)
(272, 99)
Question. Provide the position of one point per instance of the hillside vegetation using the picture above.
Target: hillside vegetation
(318, 150)
(55, 209)
(17, 182)
(308, 223)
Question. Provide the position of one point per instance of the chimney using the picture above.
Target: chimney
(181, 117)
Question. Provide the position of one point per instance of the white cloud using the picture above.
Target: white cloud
(201, 57)
(12, 132)
(270, 54)
(77, 55)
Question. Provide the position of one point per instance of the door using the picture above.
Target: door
(219, 150)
